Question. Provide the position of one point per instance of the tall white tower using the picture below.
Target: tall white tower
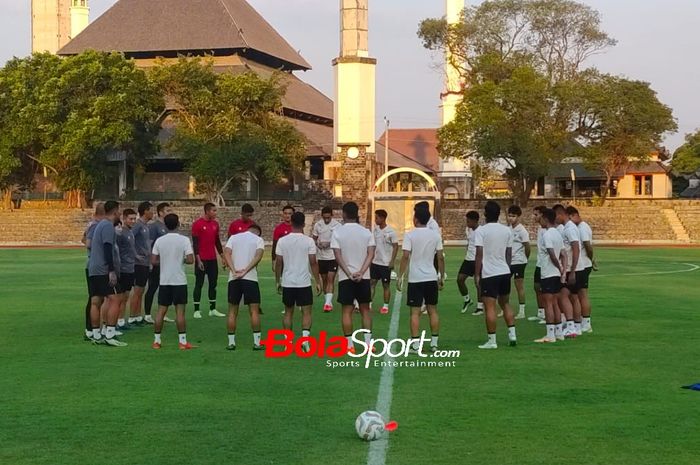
(453, 172)
(50, 25)
(79, 17)
(354, 107)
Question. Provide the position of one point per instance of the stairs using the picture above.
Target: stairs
(676, 225)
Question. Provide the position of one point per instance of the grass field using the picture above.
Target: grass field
(609, 398)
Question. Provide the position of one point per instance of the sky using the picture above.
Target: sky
(657, 43)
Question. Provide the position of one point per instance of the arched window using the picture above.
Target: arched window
(450, 193)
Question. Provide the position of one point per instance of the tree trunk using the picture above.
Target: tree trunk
(7, 199)
(523, 190)
(606, 191)
(76, 199)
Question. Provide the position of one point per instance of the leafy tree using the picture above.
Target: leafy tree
(622, 122)
(228, 126)
(686, 159)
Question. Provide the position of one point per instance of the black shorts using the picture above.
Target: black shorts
(538, 275)
(243, 288)
(495, 286)
(581, 281)
(126, 281)
(349, 291)
(297, 296)
(141, 273)
(468, 268)
(99, 286)
(327, 266)
(419, 293)
(380, 273)
(172, 295)
(518, 271)
(550, 285)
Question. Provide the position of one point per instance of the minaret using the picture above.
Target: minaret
(354, 110)
(455, 173)
(79, 17)
(51, 25)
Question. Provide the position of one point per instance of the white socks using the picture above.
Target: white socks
(368, 339)
(540, 313)
(121, 322)
(492, 338)
(156, 338)
(349, 338)
(586, 321)
(511, 333)
(551, 331)
(110, 332)
(305, 333)
(434, 341)
(480, 305)
(256, 338)
(521, 308)
(96, 334)
(232, 339)
(182, 338)
(467, 298)
(329, 299)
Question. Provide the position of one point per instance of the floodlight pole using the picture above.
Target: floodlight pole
(386, 153)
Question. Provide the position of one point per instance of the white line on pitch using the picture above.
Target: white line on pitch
(378, 448)
(689, 270)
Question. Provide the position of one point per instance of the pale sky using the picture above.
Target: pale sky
(658, 43)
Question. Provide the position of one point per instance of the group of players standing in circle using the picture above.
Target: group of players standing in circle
(131, 256)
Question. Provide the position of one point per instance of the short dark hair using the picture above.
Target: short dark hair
(473, 215)
(421, 205)
(381, 213)
(144, 207)
(247, 208)
(540, 208)
(492, 211)
(550, 215)
(256, 227)
(110, 206)
(162, 206)
(172, 221)
(99, 209)
(326, 210)
(208, 207)
(128, 211)
(289, 207)
(571, 210)
(351, 210)
(422, 215)
(515, 210)
(559, 208)
(298, 219)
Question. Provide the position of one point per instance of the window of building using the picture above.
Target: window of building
(643, 185)
(451, 193)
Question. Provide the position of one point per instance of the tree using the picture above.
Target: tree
(622, 123)
(686, 159)
(228, 126)
(68, 114)
(520, 61)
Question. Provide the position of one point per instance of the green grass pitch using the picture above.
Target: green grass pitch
(609, 398)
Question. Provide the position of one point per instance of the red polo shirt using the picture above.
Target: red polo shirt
(206, 233)
(238, 226)
(281, 230)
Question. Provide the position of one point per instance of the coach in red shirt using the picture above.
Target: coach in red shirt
(206, 243)
(281, 230)
(244, 222)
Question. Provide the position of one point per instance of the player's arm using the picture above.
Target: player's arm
(274, 253)
(341, 262)
(313, 262)
(402, 269)
(279, 267)
(589, 249)
(563, 265)
(155, 257)
(189, 258)
(219, 247)
(253, 263)
(553, 258)
(394, 253)
(509, 255)
(575, 253)
(441, 268)
(228, 258)
(526, 247)
(478, 262)
(368, 260)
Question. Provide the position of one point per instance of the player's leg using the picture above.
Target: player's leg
(373, 285)
(520, 288)
(346, 297)
(95, 315)
(327, 287)
(234, 298)
(462, 276)
(212, 270)
(430, 295)
(415, 326)
(548, 299)
(386, 284)
(363, 295)
(88, 306)
(585, 311)
(490, 317)
(306, 321)
(251, 295)
(114, 301)
(153, 283)
(540, 299)
(508, 315)
(576, 305)
(197, 292)
(158, 322)
(288, 300)
(567, 310)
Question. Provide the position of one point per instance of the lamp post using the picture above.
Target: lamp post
(386, 153)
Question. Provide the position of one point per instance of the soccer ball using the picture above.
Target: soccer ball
(370, 425)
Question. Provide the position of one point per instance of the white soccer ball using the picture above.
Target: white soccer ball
(370, 425)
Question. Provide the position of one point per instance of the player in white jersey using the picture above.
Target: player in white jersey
(242, 254)
(468, 266)
(420, 246)
(387, 243)
(521, 255)
(537, 215)
(327, 266)
(353, 245)
(586, 265)
(568, 302)
(494, 247)
(549, 251)
(295, 264)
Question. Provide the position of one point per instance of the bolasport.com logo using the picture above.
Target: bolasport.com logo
(282, 343)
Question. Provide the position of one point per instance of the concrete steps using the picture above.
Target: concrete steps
(676, 225)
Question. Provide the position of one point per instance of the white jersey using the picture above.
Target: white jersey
(352, 240)
(172, 249)
(324, 233)
(586, 235)
(384, 240)
(551, 239)
(423, 243)
(520, 238)
(494, 238)
(295, 249)
(243, 247)
(433, 225)
(471, 245)
(570, 235)
(540, 235)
